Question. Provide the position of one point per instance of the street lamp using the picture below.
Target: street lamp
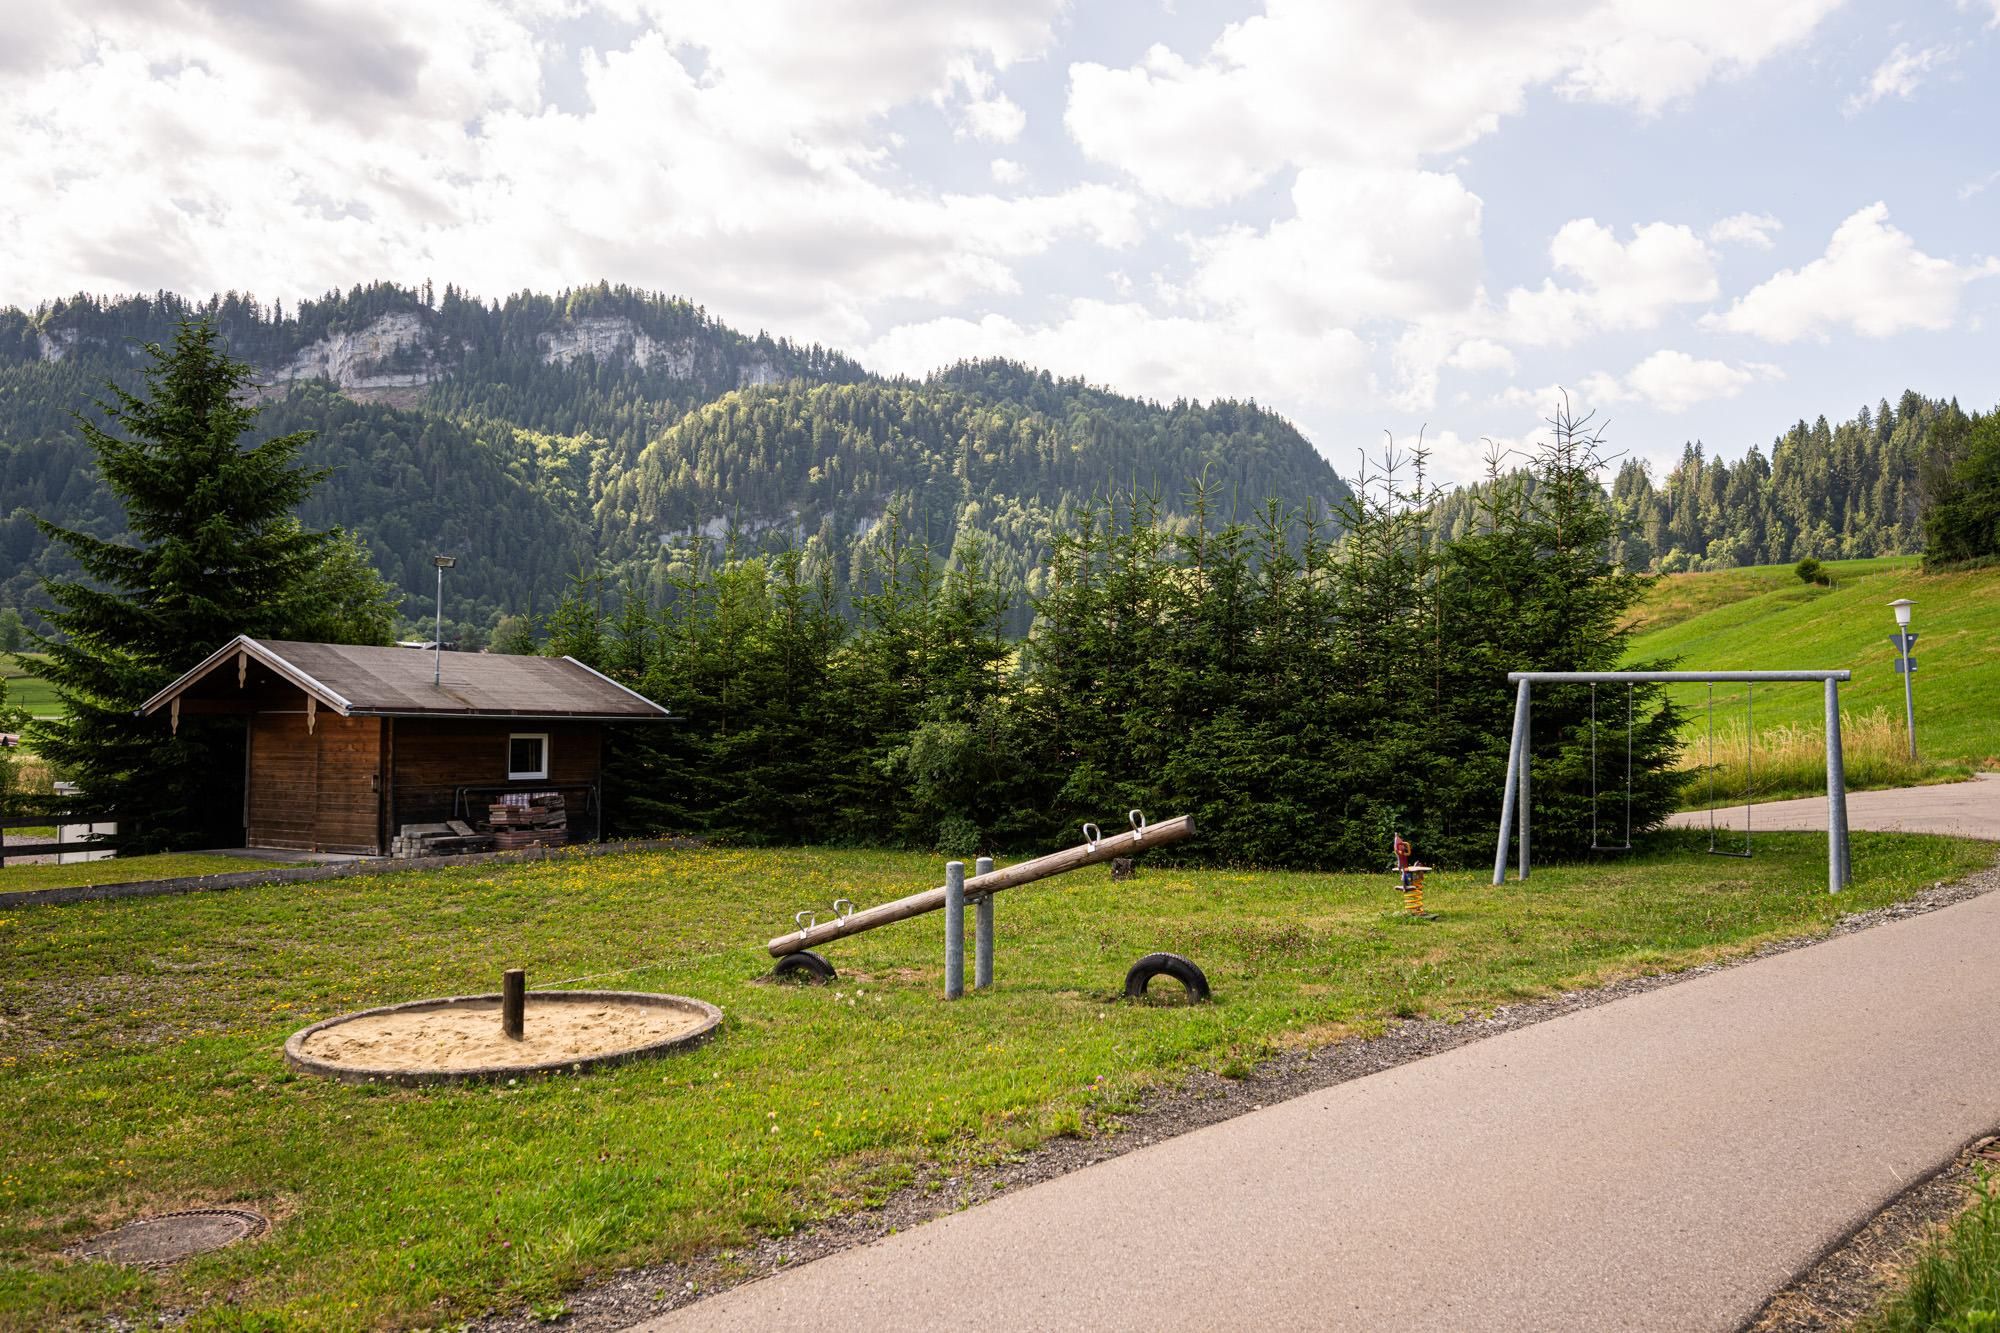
(1906, 663)
(443, 562)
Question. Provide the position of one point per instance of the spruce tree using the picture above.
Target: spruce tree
(214, 551)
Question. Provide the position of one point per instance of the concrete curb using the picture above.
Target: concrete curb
(148, 888)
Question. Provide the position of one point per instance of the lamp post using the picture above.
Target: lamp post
(1906, 662)
(443, 562)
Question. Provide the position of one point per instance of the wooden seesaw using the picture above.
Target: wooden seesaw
(796, 958)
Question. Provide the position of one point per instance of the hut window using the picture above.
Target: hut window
(528, 755)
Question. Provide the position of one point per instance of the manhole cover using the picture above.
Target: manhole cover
(171, 1237)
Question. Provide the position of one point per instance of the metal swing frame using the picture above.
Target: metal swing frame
(1516, 806)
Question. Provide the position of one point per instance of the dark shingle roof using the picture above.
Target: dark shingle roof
(358, 680)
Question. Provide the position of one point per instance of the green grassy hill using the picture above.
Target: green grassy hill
(1764, 618)
(25, 689)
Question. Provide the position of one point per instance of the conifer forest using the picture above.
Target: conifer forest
(966, 612)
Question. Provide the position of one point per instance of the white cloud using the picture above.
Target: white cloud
(1628, 285)
(1360, 245)
(1310, 82)
(1007, 171)
(994, 119)
(1126, 345)
(1481, 354)
(1974, 188)
(1674, 381)
(1751, 229)
(147, 159)
(1668, 381)
(843, 61)
(1900, 75)
(1872, 280)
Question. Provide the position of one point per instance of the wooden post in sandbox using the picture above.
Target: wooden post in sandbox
(513, 1002)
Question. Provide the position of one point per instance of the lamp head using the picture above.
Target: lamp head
(1901, 606)
(444, 561)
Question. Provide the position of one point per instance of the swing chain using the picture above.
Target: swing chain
(1749, 789)
(1597, 844)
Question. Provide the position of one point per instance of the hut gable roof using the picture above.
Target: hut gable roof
(357, 680)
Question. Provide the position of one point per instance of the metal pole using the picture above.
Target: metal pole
(954, 929)
(1909, 696)
(1527, 732)
(513, 1001)
(1672, 677)
(982, 931)
(1510, 786)
(437, 635)
(1837, 873)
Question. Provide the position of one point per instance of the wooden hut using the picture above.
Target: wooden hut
(347, 745)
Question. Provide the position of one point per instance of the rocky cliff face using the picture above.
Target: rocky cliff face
(56, 343)
(395, 356)
(616, 338)
(392, 353)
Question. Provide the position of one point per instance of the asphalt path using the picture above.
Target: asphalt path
(1666, 1161)
(1960, 809)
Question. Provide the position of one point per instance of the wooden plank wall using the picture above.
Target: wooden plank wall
(315, 791)
(433, 757)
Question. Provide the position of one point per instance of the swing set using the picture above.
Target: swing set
(1516, 798)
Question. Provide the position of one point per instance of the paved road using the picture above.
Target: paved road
(1663, 1162)
(1965, 809)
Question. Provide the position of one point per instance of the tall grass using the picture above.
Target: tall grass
(1955, 1283)
(1790, 760)
(32, 775)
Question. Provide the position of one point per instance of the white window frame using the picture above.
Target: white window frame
(543, 771)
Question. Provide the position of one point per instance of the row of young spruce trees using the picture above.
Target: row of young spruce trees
(1301, 695)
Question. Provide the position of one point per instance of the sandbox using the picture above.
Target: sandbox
(460, 1039)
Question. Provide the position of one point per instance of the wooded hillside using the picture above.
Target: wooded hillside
(607, 430)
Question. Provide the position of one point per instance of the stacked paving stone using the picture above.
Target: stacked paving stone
(529, 819)
(446, 839)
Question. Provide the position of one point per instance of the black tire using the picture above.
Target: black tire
(1166, 965)
(805, 966)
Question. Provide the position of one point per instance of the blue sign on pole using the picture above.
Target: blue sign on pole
(1905, 664)
(1902, 643)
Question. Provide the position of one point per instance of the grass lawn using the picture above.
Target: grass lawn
(141, 1065)
(1763, 618)
(27, 690)
(121, 869)
(1955, 1284)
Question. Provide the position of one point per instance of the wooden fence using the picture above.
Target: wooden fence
(58, 819)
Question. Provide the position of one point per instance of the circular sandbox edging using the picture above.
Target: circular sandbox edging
(706, 1016)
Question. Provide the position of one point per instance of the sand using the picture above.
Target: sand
(468, 1036)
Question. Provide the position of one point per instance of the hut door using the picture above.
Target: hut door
(347, 784)
(284, 782)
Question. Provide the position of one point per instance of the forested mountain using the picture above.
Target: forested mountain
(610, 431)
(622, 433)
(1830, 492)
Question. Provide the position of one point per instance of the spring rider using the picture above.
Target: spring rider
(1410, 877)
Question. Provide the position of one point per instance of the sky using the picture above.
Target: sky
(1703, 219)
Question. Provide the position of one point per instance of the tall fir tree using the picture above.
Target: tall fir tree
(217, 551)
